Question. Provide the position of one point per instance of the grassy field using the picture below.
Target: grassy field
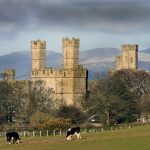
(137, 138)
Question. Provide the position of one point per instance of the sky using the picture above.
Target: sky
(97, 23)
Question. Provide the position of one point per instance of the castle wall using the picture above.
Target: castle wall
(118, 62)
(67, 83)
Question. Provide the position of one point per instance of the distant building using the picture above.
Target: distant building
(128, 58)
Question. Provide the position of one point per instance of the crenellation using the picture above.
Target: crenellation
(9, 74)
(71, 42)
(58, 73)
(129, 46)
(38, 43)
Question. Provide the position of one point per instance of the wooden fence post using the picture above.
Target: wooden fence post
(54, 133)
(40, 133)
(60, 133)
(33, 134)
(47, 132)
(24, 133)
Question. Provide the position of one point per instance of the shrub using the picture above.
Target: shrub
(57, 124)
(38, 118)
(72, 112)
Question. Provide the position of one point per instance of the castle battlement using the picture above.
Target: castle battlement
(38, 43)
(129, 47)
(70, 42)
(59, 73)
(9, 74)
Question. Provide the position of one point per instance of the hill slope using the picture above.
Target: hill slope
(95, 60)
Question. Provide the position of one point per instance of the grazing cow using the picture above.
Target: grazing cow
(14, 136)
(72, 131)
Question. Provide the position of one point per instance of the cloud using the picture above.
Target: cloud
(92, 15)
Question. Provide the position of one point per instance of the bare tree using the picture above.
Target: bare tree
(138, 82)
(41, 97)
(144, 105)
(111, 99)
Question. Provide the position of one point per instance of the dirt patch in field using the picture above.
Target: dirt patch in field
(35, 141)
(48, 140)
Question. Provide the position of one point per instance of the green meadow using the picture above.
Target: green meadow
(137, 138)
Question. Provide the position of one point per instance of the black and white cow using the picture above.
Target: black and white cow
(14, 136)
(72, 131)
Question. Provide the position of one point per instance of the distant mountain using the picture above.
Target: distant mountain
(98, 54)
(98, 60)
(146, 51)
(21, 62)
(95, 60)
(144, 60)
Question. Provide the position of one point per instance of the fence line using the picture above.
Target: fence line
(40, 133)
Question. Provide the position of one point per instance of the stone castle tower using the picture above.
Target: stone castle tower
(69, 82)
(128, 58)
(70, 53)
(38, 54)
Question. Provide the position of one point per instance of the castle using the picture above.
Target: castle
(69, 82)
(128, 58)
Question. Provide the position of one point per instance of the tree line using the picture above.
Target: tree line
(119, 98)
(19, 99)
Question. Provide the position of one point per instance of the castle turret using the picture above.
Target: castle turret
(9, 75)
(38, 54)
(128, 58)
(70, 52)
